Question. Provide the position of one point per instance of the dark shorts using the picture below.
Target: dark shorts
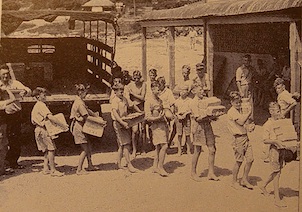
(243, 149)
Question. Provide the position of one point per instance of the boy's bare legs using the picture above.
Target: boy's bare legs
(189, 145)
(126, 149)
(119, 157)
(51, 160)
(89, 160)
(144, 138)
(156, 158)
(263, 185)
(235, 175)
(211, 161)
(278, 201)
(45, 164)
(162, 155)
(134, 140)
(195, 157)
(83, 154)
(244, 180)
(179, 145)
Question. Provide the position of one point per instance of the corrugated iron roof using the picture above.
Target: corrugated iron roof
(98, 3)
(225, 8)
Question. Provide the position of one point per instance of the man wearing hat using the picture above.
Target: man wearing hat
(13, 120)
(202, 79)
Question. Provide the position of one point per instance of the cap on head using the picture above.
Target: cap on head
(278, 81)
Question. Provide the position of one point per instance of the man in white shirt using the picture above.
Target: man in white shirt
(13, 120)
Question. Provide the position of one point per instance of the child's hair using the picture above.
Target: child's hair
(161, 80)
(184, 87)
(118, 86)
(81, 87)
(38, 91)
(137, 73)
(186, 67)
(278, 81)
(235, 95)
(154, 84)
(153, 71)
(4, 66)
(247, 56)
(273, 105)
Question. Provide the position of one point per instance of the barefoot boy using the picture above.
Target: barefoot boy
(276, 153)
(155, 116)
(119, 106)
(183, 122)
(202, 134)
(39, 114)
(241, 144)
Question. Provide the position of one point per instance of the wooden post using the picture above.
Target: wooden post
(144, 53)
(0, 20)
(209, 57)
(171, 44)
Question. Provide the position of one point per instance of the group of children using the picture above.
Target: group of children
(278, 149)
(163, 112)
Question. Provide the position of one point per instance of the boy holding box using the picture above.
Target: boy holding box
(277, 152)
(40, 113)
(119, 106)
(202, 134)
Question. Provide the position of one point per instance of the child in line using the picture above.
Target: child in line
(78, 115)
(39, 114)
(276, 153)
(284, 99)
(202, 134)
(241, 145)
(119, 107)
(183, 121)
(155, 116)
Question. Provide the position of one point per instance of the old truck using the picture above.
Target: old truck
(59, 62)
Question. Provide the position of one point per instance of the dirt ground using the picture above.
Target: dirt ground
(111, 190)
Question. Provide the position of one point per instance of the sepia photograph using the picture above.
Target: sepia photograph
(150, 105)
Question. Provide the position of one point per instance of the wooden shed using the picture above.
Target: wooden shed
(262, 28)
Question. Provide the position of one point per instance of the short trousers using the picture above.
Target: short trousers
(43, 140)
(279, 157)
(203, 134)
(78, 135)
(123, 135)
(183, 126)
(159, 133)
(243, 149)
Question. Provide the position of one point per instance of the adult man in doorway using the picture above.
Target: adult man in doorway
(244, 76)
(14, 119)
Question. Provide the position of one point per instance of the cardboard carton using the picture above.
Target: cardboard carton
(94, 126)
(52, 128)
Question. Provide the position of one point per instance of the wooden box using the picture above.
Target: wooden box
(134, 118)
(94, 126)
(52, 128)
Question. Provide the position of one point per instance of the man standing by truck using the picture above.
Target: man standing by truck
(13, 119)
